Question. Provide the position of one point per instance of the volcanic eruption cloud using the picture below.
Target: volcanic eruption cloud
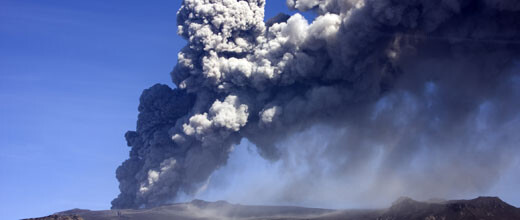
(416, 96)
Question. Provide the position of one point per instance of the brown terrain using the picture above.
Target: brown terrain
(482, 208)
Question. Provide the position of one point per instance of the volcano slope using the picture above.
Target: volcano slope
(482, 208)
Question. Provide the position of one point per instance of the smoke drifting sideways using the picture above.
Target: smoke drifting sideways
(429, 89)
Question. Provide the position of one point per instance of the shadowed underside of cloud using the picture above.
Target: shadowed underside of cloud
(415, 96)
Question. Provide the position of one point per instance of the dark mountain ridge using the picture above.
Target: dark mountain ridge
(481, 208)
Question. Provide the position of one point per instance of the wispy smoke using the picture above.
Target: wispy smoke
(400, 81)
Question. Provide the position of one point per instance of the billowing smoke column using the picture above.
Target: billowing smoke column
(399, 78)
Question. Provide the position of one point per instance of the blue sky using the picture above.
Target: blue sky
(71, 73)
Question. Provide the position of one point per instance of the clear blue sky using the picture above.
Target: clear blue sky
(71, 73)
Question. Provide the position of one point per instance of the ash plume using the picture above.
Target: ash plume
(408, 80)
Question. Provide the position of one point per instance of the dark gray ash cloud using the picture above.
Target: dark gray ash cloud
(401, 81)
